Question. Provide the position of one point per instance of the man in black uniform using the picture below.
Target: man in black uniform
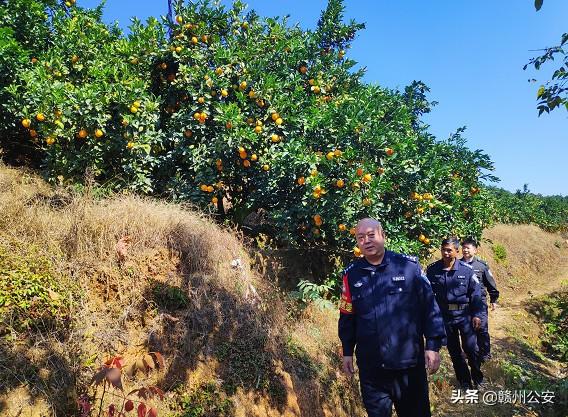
(457, 292)
(487, 284)
(387, 309)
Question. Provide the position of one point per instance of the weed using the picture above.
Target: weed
(499, 253)
(169, 297)
(204, 401)
(109, 376)
(32, 295)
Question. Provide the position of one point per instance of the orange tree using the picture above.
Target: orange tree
(238, 113)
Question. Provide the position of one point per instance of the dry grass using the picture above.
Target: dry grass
(155, 276)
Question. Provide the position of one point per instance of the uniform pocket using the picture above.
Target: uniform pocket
(460, 287)
(362, 299)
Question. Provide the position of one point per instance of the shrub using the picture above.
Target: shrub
(32, 294)
(499, 253)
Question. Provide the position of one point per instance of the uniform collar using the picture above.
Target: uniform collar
(370, 267)
(453, 268)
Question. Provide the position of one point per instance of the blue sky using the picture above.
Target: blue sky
(471, 56)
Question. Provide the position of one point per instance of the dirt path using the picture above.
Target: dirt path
(514, 303)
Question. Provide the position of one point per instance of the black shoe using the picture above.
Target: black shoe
(465, 386)
(480, 386)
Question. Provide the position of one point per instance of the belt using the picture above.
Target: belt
(454, 307)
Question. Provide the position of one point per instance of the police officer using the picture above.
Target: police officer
(487, 284)
(387, 309)
(457, 292)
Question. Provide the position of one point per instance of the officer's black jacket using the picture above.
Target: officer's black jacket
(486, 280)
(386, 311)
(459, 285)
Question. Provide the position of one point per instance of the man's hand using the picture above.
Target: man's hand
(432, 361)
(493, 306)
(476, 321)
(348, 365)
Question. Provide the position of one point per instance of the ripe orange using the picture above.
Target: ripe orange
(50, 140)
(274, 116)
(317, 220)
(254, 157)
(311, 81)
(99, 133)
(279, 121)
(203, 187)
(82, 134)
(316, 89)
(275, 138)
(303, 69)
(246, 163)
(74, 59)
(426, 241)
(329, 156)
(130, 145)
(243, 155)
(258, 129)
(178, 49)
(40, 117)
(357, 252)
(301, 181)
(266, 167)
(252, 94)
(224, 93)
(380, 171)
(179, 19)
(337, 153)
(367, 202)
(420, 210)
(194, 40)
(210, 189)
(421, 238)
(214, 200)
(340, 183)
(243, 85)
(389, 151)
(229, 125)
(163, 65)
(219, 71)
(33, 133)
(360, 172)
(26, 123)
(367, 177)
(201, 100)
(133, 109)
(342, 227)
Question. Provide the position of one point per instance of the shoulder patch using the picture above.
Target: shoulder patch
(474, 277)
(349, 267)
(406, 257)
(425, 278)
(466, 264)
(411, 258)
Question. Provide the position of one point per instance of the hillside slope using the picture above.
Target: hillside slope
(126, 275)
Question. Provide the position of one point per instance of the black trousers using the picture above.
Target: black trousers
(407, 389)
(483, 339)
(462, 336)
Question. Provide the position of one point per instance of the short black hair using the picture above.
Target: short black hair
(452, 240)
(470, 241)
